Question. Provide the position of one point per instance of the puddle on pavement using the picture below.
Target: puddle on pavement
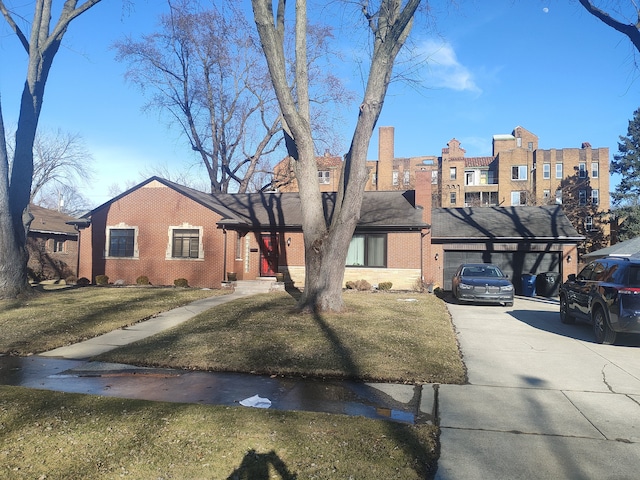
(156, 384)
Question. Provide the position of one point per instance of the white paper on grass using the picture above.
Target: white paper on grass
(256, 401)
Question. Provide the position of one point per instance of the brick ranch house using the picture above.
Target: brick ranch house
(166, 231)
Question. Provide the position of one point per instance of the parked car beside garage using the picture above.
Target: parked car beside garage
(606, 293)
(482, 282)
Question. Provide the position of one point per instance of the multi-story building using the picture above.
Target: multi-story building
(517, 173)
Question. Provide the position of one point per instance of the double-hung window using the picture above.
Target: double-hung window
(582, 170)
(546, 170)
(367, 250)
(186, 243)
(558, 170)
(595, 169)
(519, 172)
(121, 242)
(518, 198)
(324, 177)
(595, 196)
(582, 197)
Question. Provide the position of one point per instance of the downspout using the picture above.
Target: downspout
(77, 229)
(224, 256)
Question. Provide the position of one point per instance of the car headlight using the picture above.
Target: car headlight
(507, 288)
(464, 286)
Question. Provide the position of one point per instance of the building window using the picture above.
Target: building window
(324, 177)
(588, 223)
(238, 246)
(582, 170)
(434, 177)
(367, 250)
(595, 196)
(469, 178)
(518, 198)
(546, 170)
(519, 172)
(453, 173)
(185, 243)
(558, 197)
(595, 169)
(582, 197)
(407, 177)
(395, 177)
(121, 242)
(558, 170)
(452, 198)
(546, 195)
(530, 146)
(58, 246)
(374, 179)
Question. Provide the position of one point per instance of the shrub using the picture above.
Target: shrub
(142, 280)
(385, 286)
(350, 285)
(361, 285)
(181, 282)
(102, 280)
(71, 280)
(83, 282)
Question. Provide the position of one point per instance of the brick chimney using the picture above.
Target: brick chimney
(423, 193)
(385, 158)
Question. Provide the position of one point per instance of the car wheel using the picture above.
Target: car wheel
(565, 316)
(601, 329)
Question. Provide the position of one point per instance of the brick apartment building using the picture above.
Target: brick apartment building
(518, 173)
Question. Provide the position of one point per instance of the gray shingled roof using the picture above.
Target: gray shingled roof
(506, 223)
(394, 210)
(628, 248)
(46, 220)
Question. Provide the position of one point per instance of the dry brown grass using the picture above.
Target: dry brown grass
(53, 318)
(380, 337)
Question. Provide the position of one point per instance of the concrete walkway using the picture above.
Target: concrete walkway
(544, 401)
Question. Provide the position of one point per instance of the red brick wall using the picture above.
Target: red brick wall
(45, 262)
(152, 209)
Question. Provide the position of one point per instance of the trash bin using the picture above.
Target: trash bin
(528, 285)
(547, 284)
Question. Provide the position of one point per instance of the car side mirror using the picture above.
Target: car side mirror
(572, 277)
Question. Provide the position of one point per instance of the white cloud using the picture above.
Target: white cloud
(443, 69)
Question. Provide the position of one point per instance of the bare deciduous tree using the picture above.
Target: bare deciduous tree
(41, 46)
(326, 246)
(629, 27)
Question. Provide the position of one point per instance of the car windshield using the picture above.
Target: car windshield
(481, 271)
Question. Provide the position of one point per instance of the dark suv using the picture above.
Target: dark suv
(606, 293)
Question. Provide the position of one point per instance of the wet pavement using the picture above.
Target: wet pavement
(402, 403)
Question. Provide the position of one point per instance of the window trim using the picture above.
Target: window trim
(546, 171)
(324, 177)
(595, 169)
(184, 226)
(453, 173)
(365, 254)
(582, 198)
(582, 170)
(595, 196)
(559, 168)
(107, 243)
(519, 173)
(520, 193)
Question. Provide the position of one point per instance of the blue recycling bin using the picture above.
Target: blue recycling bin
(529, 284)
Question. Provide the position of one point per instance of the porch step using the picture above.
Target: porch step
(247, 287)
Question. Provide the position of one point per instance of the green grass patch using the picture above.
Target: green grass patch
(59, 435)
(380, 337)
(54, 318)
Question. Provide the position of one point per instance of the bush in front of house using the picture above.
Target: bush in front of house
(181, 282)
(102, 280)
(71, 280)
(360, 285)
(385, 286)
(142, 280)
(83, 282)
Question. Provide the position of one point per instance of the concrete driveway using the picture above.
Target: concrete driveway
(543, 400)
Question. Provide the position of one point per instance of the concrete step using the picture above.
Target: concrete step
(262, 285)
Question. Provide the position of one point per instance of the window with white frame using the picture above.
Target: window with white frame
(519, 172)
(595, 196)
(518, 198)
(406, 177)
(324, 177)
(58, 245)
(588, 223)
(374, 178)
(558, 197)
(546, 194)
(558, 170)
(582, 197)
(595, 169)
(582, 170)
(121, 242)
(434, 177)
(546, 170)
(453, 173)
(452, 198)
(395, 177)
(469, 177)
(367, 250)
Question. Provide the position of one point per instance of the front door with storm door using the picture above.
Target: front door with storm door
(268, 255)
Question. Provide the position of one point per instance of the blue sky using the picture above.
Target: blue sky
(493, 65)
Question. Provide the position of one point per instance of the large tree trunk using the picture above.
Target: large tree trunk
(326, 247)
(15, 193)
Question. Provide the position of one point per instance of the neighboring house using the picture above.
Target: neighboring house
(518, 173)
(521, 240)
(52, 244)
(166, 231)
(628, 248)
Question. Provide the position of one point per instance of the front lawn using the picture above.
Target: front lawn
(384, 337)
(54, 318)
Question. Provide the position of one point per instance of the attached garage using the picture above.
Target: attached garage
(520, 240)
